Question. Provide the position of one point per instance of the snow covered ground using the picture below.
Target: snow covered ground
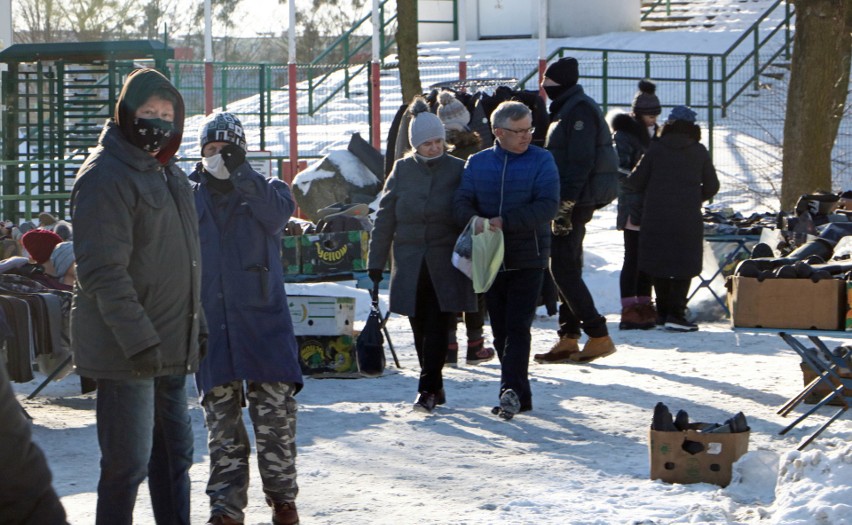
(580, 457)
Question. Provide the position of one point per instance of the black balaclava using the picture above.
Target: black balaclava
(139, 86)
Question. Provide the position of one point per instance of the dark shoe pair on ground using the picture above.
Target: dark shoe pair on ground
(282, 514)
(567, 350)
(477, 353)
(427, 401)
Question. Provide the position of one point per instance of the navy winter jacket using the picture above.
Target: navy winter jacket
(522, 189)
(251, 332)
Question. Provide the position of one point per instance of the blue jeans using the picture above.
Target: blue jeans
(511, 303)
(144, 429)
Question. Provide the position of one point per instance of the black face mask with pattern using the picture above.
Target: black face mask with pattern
(151, 134)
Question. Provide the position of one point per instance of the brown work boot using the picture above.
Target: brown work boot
(649, 314)
(595, 348)
(634, 317)
(284, 513)
(560, 352)
(222, 519)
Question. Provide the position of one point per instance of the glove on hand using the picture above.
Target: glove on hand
(562, 223)
(233, 156)
(375, 275)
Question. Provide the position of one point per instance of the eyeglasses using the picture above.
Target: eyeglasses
(528, 131)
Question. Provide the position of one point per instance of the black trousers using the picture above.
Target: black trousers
(633, 283)
(671, 296)
(511, 303)
(577, 307)
(430, 327)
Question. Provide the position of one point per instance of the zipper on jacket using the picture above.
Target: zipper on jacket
(500, 209)
(263, 271)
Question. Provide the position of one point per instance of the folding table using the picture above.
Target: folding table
(742, 245)
(827, 366)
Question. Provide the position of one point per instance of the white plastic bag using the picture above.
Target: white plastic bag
(462, 257)
(487, 258)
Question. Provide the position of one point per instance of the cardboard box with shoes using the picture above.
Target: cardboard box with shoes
(691, 456)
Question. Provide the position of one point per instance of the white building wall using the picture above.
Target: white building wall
(519, 18)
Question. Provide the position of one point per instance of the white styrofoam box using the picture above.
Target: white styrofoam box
(317, 315)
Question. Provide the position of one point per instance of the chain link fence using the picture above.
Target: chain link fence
(744, 137)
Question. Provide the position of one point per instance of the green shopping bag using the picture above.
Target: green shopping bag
(487, 258)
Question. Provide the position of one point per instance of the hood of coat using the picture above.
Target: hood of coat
(677, 141)
(681, 127)
(463, 139)
(625, 123)
(139, 86)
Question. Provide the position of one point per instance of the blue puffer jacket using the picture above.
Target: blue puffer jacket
(523, 189)
(251, 333)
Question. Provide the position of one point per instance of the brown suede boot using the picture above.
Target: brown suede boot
(284, 513)
(595, 348)
(561, 352)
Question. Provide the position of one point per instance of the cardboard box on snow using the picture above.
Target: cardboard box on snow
(822, 389)
(672, 464)
(787, 303)
(339, 252)
(319, 315)
(327, 355)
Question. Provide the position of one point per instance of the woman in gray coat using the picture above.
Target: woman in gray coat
(415, 217)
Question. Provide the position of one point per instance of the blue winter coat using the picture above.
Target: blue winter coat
(242, 282)
(522, 189)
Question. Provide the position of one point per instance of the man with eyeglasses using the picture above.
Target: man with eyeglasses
(512, 186)
(576, 123)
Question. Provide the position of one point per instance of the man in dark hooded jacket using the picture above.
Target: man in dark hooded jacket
(136, 320)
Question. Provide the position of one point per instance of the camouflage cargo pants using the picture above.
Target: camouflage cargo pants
(272, 409)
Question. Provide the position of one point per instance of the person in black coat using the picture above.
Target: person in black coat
(632, 133)
(26, 494)
(676, 175)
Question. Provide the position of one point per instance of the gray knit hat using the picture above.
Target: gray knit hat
(646, 102)
(452, 112)
(424, 125)
(62, 257)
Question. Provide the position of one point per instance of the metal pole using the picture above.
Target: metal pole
(542, 45)
(461, 29)
(208, 58)
(375, 85)
(291, 86)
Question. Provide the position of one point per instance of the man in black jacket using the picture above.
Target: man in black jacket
(572, 138)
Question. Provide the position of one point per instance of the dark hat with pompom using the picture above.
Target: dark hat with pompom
(646, 102)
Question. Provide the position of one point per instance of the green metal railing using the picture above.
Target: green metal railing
(753, 53)
(29, 197)
(653, 7)
(343, 44)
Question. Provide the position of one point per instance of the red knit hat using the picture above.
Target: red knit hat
(39, 244)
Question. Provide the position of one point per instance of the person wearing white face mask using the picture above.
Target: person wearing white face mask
(252, 355)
